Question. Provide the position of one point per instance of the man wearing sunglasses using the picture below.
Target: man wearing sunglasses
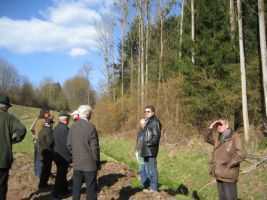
(226, 158)
(149, 151)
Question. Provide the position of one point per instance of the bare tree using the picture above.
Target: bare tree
(106, 45)
(147, 14)
(123, 5)
(141, 48)
(86, 70)
(262, 32)
(193, 29)
(181, 28)
(243, 71)
(232, 18)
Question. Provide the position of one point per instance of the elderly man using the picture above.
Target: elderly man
(84, 145)
(226, 158)
(150, 148)
(11, 131)
(62, 156)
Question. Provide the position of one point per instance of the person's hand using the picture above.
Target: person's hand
(213, 124)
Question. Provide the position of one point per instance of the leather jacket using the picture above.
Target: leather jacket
(152, 133)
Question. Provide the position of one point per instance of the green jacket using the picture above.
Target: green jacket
(11, 132)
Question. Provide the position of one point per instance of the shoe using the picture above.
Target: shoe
(146, 190)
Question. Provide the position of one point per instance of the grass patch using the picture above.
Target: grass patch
(186, 167)
(26, 115)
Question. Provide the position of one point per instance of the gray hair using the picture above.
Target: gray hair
(84, 111)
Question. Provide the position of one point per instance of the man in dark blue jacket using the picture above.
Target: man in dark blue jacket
(152, 133)
(62, 156)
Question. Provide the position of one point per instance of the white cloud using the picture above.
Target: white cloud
(67, 26)
(78, 52)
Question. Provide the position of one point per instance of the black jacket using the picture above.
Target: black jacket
(84, 145)
(46, 139)
(61, 133)
(152, 135)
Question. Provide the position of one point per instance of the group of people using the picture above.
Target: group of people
(78, 147)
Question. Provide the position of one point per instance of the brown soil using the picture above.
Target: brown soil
(114, 183)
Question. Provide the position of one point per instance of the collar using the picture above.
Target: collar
(84, 118)
(227, 134)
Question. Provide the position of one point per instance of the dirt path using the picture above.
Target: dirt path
(114, 183)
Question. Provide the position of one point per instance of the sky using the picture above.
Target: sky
(53, 38)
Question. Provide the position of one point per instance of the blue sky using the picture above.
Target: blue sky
(52, 38)
(55, 38)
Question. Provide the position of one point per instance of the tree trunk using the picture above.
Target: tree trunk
(131, 72)
(243, 72)
(160, 70)
(232, 19)
(193, 29)
(147, 9)
(141, 21)
(122, 58)
(181, 28)
(262, 32)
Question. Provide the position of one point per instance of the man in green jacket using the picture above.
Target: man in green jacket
(11, 132)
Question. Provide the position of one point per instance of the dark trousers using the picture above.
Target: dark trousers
(91, 185)
(227, 191)
(3, 182)
(61, 183)
(47, 158)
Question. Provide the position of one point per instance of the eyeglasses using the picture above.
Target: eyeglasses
(147, 111)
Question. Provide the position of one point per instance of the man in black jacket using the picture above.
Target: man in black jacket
(62, 156)
(150, 147)
(84, 146)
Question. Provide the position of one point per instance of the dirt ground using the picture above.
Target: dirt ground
(114, 180)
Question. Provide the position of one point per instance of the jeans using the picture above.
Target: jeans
(152, 172)
(37, 160)
(61, 183)
(142, 170)
(3, 183)
(91, 186)
(227, 191)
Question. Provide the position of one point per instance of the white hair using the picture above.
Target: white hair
(84, 111)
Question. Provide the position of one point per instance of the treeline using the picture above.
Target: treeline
(184, 57)
(50, 94)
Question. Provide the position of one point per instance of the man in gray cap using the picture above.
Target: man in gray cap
(11, 131)
(84, 145)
